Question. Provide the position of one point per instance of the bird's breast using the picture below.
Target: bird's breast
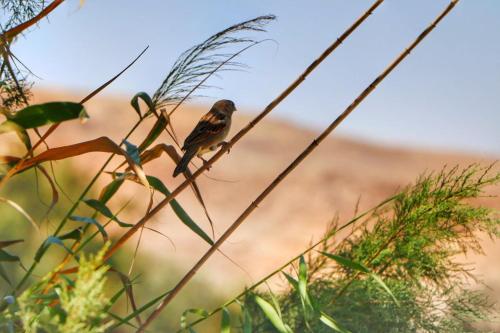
(211, 145)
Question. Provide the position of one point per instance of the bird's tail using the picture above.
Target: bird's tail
(183, 163)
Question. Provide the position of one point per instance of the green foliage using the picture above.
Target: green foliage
(18, 11)
(14, 84)
(74, 232)
(412, 245)
(14, 90)
(393, 274)
(69, 306)
(47, 113)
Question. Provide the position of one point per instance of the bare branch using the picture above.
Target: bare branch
(314, 144)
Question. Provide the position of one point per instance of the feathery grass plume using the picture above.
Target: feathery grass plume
(297, 161)
(18, 11)
(200, 60)
(77, 306)
(14, 91)
(14, 84)
(413, 246)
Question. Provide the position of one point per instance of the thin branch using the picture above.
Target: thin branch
(243, 131)
(11, 33)
(89, 96)
(52, 128)
(325, 238)
(87, 189)
(315, 143)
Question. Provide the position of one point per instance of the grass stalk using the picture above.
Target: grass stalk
(94, 179)
(72, 209)
(10, 34)
(315, 143)
(243, 131)
(297, 257)
(277, 270)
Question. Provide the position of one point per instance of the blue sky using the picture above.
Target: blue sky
(445, 95)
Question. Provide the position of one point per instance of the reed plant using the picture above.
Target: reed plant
(399, 259)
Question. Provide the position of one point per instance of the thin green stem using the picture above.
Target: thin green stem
(276, 271)
(297, 257)
(63, 222)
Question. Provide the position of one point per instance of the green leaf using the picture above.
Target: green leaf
(135, 103)
(379, 280)
(133, 152)
(10, 242)
(178, 210)
(51, 296)
(360, 267)
(92, 221)
(73, 234)
(271, 314)
(6, 256)
(292, 281)
(115, 298)
(109, 190)
(48, 113)
(4, 275)
(247, 321)
(302, 286)
(346, 262)
(49, 241)
(155, 132)
(225, 325)
(198, 312)
(330, 322)
(104, 210)
(276, 304)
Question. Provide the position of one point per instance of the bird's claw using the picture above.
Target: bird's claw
(223, 144)
(205, 163)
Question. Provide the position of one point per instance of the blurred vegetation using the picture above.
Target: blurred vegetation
(414, 246)
(54, 217)
(146, 283)
(60, 270)
(33, 193)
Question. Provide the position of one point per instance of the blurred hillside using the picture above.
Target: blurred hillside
(341, 175)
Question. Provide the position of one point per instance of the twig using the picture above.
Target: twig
(304, 252)
(87, 189)
(11, 33)
(52, 128)
(315, 143)
(89, 96)
(243, 131)
(240, 134)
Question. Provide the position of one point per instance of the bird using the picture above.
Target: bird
(208, 135)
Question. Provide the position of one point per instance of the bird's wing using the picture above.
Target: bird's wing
(209, 126)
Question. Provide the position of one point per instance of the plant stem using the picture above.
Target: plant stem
(73, 208)
(314, 144)
(237, 137)
(304, 252)
(11, 33)
(52, 129)
(243, 131)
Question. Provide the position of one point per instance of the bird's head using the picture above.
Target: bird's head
(226, 106)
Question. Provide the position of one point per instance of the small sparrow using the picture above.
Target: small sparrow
(208, 135)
